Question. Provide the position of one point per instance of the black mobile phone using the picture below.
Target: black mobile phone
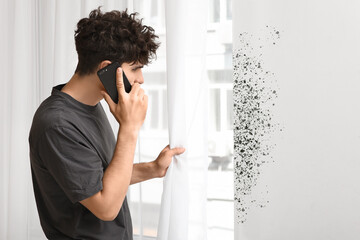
(107, 76)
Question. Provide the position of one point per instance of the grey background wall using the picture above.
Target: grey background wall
(310, 186)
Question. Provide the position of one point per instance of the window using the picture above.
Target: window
(145, 198)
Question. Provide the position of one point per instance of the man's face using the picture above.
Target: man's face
(133, 72)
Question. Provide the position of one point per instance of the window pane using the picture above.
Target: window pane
(154, 108)
(229, 9)
(230, 112)
(214, 11)
(220, 76)
(214, 110)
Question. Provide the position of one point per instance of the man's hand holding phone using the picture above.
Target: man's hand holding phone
(131, 109)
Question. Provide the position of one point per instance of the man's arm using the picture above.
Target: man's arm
(142, 172)
(130, 112)
(106, 203)
(157, 168)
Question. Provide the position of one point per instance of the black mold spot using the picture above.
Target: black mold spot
(254, 98)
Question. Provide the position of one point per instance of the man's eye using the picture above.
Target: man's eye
(136, 68)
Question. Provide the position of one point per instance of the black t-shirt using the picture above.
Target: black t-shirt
(71, 144)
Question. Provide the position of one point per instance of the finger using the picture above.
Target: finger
(145, 99)
(108, 99)
(135, 88)
(141, 93)
(119, 82)
(166, 148)
(142, 96)
(177, 151)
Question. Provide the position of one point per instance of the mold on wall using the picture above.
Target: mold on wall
(254, 92)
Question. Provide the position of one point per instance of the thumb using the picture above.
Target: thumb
(177, 151)
(119, 81)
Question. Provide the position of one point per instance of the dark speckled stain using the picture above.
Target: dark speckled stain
(254, 95)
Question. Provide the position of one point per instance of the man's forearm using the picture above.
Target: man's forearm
(142, 172)
(106, 203)
(117, 176)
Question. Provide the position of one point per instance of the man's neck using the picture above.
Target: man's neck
(85, 89)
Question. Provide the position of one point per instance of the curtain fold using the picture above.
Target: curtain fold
(183, 211)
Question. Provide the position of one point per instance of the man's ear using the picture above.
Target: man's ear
(103, 64)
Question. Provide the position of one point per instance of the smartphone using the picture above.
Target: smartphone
(107, 76)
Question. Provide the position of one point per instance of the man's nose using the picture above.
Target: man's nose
(139, 79)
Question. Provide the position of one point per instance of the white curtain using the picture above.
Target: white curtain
(38, 52)
(183, 209)
(308, 53)
(19, 67)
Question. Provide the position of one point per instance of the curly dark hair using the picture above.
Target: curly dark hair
(115, 36)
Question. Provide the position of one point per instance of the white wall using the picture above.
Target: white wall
(313, 183)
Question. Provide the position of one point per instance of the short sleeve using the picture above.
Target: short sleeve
(72, 161)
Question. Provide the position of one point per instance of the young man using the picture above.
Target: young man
(80, 172)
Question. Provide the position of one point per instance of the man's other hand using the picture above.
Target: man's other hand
(162, 162)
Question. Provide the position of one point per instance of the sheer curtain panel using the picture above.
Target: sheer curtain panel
(37, 52)
(183, 209)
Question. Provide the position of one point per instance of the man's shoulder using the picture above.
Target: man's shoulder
(53, 112)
